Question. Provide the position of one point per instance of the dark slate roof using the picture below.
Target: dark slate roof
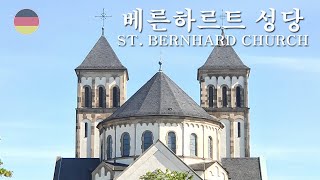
(160, 96)
(75, 168)
(242, 168)
(102, 56)
(223, 57)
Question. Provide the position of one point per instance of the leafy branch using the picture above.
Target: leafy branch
(168, 175)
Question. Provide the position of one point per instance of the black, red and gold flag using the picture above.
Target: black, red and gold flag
(26, 21)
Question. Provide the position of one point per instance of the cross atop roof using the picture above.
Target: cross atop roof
(222, 17)
(103, 17)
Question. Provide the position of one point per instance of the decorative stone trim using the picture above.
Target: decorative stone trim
(157, 119)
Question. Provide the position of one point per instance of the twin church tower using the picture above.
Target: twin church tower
(102, 89)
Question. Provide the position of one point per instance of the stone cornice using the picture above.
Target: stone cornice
(96, 110)
(228, 109)
(156, 119)
(223, 73)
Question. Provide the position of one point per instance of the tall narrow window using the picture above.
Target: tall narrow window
(238, 96)
(224, 97)
(87, 97)
(86, 129)
(211, 91)
(102, 97)
(125, 144)
(239, 129)
(147, 139)
(109, 147)
(193, 145)
(116, 96)
(101, 151)
(210, 147)
(172, 141)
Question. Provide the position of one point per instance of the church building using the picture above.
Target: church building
(160, 126)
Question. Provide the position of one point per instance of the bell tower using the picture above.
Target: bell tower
(102, 86)
(224, 95)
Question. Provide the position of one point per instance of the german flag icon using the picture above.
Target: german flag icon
(26, 21)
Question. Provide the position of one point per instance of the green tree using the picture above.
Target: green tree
(168, 175)
(3, 171)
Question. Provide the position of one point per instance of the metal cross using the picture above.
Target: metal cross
(222, 17)
(103, 17)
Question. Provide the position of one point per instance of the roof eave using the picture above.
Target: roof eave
(118, 119)
(245, 69)
(102, 69)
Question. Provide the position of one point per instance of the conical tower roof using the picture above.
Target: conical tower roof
(101, 57)
(223, 57)
(160, 96)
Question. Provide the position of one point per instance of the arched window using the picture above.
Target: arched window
(86, 129)
(147, 140)
(211, 97)
(210, 147)
(238, 96)
(125, 144)
(224, 97)
(102, 97)
(172, 141)
(109, 147)
(87, 97)
(116, 96)
(239, 129)
(193, 145)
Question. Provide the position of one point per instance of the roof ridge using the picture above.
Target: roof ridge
(150, 91)
(185, 94)
(170, 88)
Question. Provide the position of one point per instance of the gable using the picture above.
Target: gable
(102, 172)
(216, 172)
(107, 170)
(157, 156)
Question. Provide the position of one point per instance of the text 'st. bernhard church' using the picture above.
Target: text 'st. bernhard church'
(160, 126)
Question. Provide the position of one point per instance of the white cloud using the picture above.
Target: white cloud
(47, 153)
(281, 153)
(20, 125)
(293, 177)
(304, 65)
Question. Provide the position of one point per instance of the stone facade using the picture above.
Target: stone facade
(160, 127)
(88, 146)
(235, 139)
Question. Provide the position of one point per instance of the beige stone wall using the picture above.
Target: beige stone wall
(234, 146)
(160, 127)
(231, 145)
(82, 142)
(218, 82)
(90, 146)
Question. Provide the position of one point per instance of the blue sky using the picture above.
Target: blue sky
(38, 92)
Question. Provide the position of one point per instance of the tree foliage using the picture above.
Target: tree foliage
(168, 175)
(4, 172)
